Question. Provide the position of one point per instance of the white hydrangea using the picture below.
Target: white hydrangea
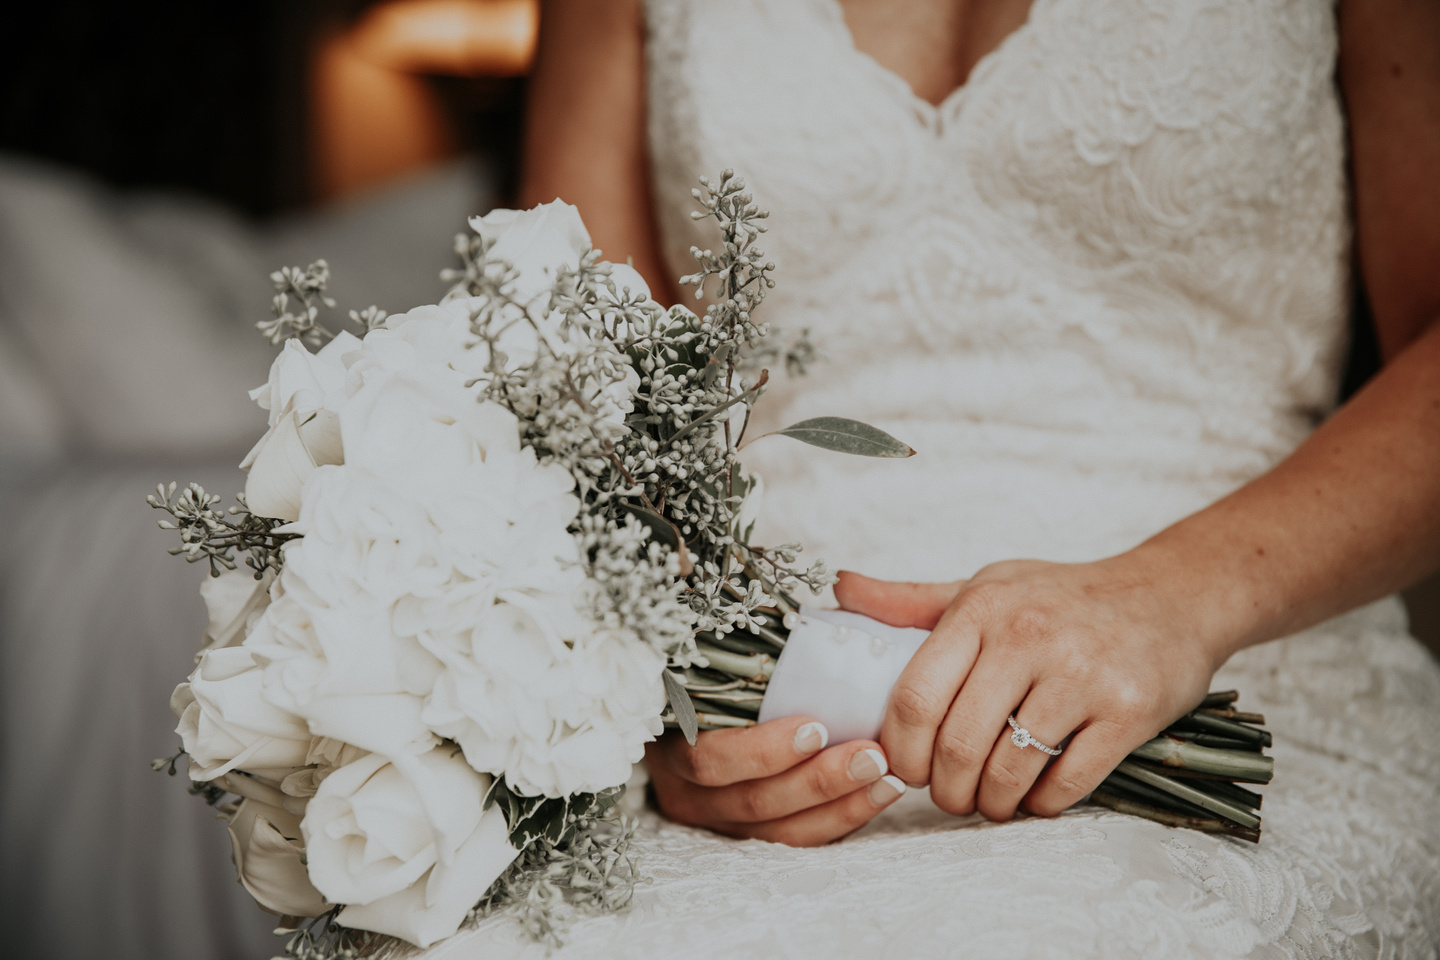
(437, 589)
(531, 690)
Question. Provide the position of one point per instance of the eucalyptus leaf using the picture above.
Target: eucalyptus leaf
(682, 705)
(844, 435)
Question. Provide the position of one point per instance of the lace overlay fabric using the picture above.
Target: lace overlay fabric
(1097, 287)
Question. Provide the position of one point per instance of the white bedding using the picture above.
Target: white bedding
(126, 348)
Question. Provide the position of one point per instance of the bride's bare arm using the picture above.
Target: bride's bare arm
(585, 129)
(1114, 650)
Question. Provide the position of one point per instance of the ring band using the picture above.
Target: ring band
(1022, 739)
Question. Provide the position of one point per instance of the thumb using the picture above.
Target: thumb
(895, 603)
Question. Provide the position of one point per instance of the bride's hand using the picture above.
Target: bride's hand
(775, 781)
(1090, 652)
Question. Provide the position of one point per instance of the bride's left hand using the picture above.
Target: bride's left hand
(1092, 652)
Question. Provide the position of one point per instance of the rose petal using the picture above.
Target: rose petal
(268, 859)
(434, 908)
(229, 600)
(278, 473)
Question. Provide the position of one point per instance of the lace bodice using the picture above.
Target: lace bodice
(1127, 201)
(1097, 287)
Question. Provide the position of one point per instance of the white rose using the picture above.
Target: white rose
(232, 601)
(226, 724)
(536, 242)
(406, 845)
(268, 853)
(304, 394)
(325, 756)
(306, 381)
(285, 458)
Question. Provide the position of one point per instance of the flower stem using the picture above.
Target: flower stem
(754, 667)
(1219, 698)
(1208, 723)
(1241, 765)
(1184, 791)
(1134, 808)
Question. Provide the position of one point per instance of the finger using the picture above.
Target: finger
(834, 773)
(1012, 770)
(827, 822)
(1091, 755)
(922, 696)
(898, 604)
(975, 721)
(722, 757)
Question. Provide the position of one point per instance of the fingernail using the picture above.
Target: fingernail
(811, 738)
(886, 790)
(867, 765)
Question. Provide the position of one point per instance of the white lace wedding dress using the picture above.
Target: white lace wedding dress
(1099, 286)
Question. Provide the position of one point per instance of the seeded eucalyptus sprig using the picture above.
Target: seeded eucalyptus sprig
(307, 286)
(323, 938)
(671, 465)
(213, 535)
(587, 863)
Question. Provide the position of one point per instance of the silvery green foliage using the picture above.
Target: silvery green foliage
(371, 318)
(321, 938)
(307, 286)
(214, 535)
(577, 857)
(671, 461)
(593, 870)
(570, 399)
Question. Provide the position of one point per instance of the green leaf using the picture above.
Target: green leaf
(683, 706)
(847, 436)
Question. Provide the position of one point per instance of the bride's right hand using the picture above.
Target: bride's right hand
(775, 781)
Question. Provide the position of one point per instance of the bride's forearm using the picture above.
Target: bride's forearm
(1352, 515)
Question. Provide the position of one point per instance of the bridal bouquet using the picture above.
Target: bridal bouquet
(481, 546)
(487, 549)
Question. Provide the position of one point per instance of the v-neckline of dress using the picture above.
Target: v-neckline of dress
(931, 114)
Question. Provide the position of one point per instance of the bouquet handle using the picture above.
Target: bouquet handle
(839, 668)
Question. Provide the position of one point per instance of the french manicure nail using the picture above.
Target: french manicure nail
(867, 765)
(886, 790)
(811, 738)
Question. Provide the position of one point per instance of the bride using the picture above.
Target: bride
(1092, 258)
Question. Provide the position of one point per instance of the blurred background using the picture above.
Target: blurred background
(157, 161)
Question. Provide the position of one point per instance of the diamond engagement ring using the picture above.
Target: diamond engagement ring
(1022, 739)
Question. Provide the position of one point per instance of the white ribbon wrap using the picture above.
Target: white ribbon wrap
(839, 668)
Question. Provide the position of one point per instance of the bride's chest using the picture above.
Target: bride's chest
(1098, 131)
